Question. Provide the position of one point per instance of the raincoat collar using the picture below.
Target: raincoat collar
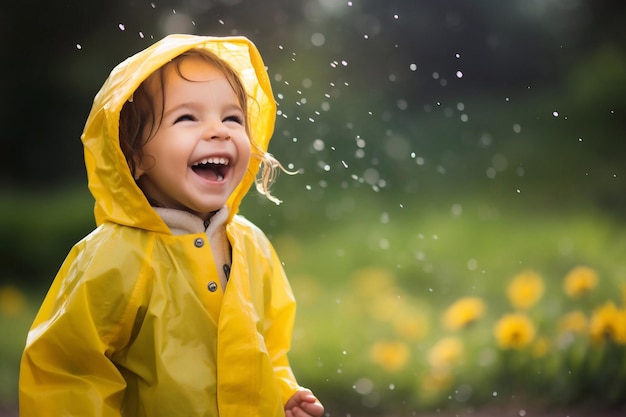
(118, 198)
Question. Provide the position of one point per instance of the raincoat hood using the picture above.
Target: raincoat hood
(118, 198)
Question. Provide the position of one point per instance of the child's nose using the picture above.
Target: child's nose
(216, 130)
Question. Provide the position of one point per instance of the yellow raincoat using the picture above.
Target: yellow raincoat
(129, 326)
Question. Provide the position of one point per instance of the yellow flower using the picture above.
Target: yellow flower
(579, 281)
(390, 355)
(411, 325)
(436, 381)
(463, 312)
(514, 331)
(573, 322)
(525, 289)
(446, 353)
(369, 281)
(385, 307)
(12, 301)
(608, 323)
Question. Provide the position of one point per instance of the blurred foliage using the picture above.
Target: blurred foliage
(446, 150)
(441, 311)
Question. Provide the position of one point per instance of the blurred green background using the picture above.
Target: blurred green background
(448, 150)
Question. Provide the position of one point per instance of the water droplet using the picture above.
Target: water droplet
(413, 67)
(121, 26)
(78, 46)
(318, 39)
(459, 74)
(363, 386)
(318, 145)
(472, 264)
(555, 113)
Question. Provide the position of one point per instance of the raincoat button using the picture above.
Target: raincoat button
(212, 286)
(199, 242)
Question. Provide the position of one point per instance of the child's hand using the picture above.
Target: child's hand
(303, 404)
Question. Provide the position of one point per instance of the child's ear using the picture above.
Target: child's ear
(138, 170)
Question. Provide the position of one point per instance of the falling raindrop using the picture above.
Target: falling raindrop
(318, 39)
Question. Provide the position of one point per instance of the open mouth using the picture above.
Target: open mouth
(213, 169)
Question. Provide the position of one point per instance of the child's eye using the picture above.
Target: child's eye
(234, 118)
(185, 118)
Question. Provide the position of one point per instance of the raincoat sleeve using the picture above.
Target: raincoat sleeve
(279, 323)
(66, 368)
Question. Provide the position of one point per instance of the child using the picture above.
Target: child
(174, 305)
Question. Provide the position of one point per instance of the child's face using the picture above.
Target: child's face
(201, 150)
